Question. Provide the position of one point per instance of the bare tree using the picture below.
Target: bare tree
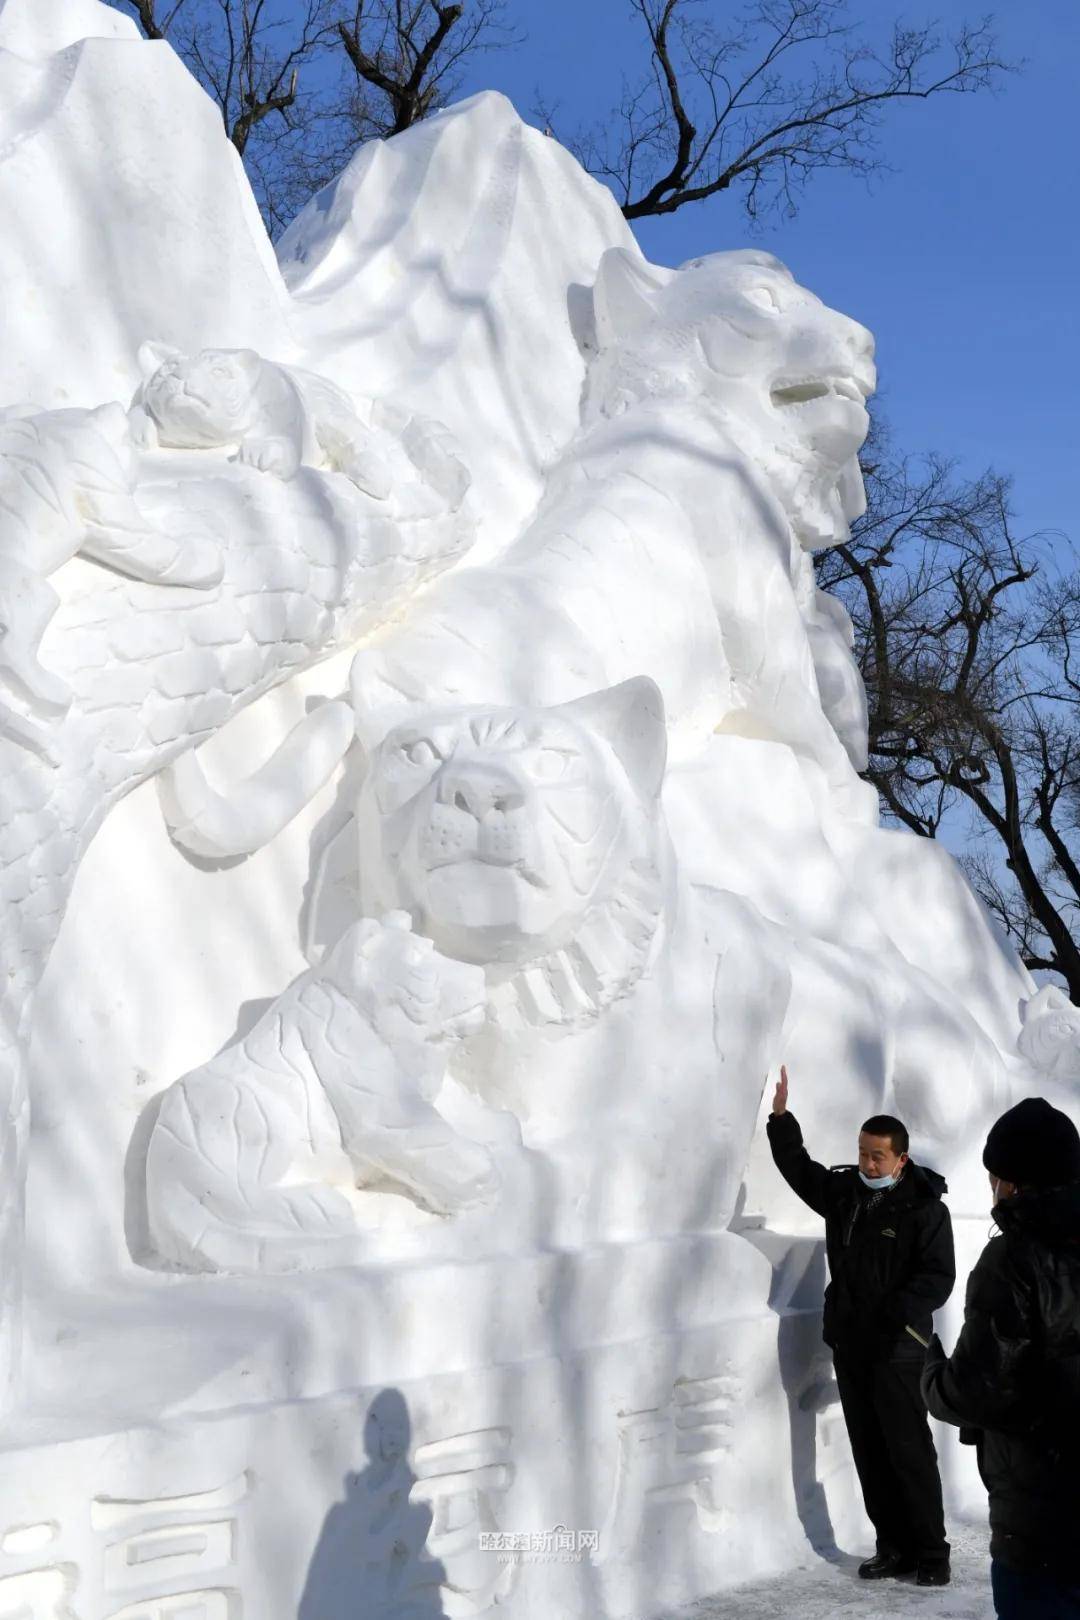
(246, 53)
(407, 55)
(300, 83)
(155, 24)
(763, 104)
(257, 59)
(969, 641)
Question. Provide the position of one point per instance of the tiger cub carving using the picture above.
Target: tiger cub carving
(251, 1156)
(280, 418)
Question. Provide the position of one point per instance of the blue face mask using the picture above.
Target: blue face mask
(877, 1183)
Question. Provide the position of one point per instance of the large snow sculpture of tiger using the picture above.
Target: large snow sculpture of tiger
(530, 847)
(723, 413)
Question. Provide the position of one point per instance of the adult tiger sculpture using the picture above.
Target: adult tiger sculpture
(221, 582)
(533, 841)
(724, 409)
(529, 846)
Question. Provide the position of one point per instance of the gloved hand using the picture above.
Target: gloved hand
(935, 1354)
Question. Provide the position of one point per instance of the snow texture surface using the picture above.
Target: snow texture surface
(832, 1591)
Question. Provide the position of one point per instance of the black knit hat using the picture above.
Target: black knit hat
(1033, 1145)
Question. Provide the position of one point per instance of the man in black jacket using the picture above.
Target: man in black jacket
(1013, 1380)
(888, 1238)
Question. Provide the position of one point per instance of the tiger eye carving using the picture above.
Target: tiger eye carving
(422, 752)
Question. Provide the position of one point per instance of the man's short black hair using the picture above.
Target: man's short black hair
(886, 1125)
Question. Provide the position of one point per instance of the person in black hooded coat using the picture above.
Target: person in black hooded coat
(888, 1238)
(1013, 1382)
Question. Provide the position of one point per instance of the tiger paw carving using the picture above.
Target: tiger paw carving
(348, 1060)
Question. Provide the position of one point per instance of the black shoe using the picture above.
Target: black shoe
(886, 1564)
(936, 1574)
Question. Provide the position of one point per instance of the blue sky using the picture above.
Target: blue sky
(964, 261)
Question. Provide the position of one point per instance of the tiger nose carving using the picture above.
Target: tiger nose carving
(480, 795)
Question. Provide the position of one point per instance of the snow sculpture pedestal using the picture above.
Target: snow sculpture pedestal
(546, 1465)
(429, 812)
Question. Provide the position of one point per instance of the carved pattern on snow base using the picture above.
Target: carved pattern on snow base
(39, 1594)
(674, 1453)
(460, 1478)
(166, 1542)
(218, 1604)
(155, 1558)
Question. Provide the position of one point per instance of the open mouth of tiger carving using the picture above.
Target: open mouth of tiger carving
(791, 392)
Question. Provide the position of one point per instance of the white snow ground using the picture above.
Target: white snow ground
(824, 1590)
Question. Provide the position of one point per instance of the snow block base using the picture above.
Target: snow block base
(609, 1480)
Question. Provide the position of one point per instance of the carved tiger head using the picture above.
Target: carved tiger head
(1050, 1036)
(201, 400)
(500, 830)
(787, 375)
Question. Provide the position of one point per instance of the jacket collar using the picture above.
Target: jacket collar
(1050, 1215)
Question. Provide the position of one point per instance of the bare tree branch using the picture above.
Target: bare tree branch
(259, 61)
(145, 12)
(793, 89)
(408, 52)
(967, 637)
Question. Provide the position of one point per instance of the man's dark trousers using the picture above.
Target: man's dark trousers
(1022, 1596)
(894, 1455)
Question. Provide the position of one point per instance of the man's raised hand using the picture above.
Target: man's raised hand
(779, 1102)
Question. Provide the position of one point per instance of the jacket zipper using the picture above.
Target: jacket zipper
(851, 1224)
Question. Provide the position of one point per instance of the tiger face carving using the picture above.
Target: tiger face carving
(280, 418)
(501, 830)
(788, 375)
(201, 400)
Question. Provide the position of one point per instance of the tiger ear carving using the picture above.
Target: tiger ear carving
(624, 298)
(153, 354)
(631, 718)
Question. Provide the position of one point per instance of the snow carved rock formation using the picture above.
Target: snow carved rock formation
(429, 811)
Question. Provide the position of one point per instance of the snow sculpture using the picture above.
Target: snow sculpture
(532, 841)
(348, 1059)
(724, 409)
(670, 537)
(528, 842)
(599, 735)
(286, 572)
(1050, 1034)
(67, 486)
(527, 839)
(278, 416)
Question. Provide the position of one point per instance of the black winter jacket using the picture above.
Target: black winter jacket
(890, 1253)
(1014, 1378)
